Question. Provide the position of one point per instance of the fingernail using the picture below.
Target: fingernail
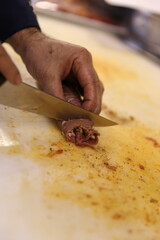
(18, 80)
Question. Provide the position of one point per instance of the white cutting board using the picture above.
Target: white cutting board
(111, 192)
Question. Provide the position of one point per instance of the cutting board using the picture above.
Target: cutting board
(52, 189)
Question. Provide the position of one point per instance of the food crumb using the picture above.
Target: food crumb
(141, 167)
(54, 152)
(152, 200)
(117, 216)
(128, 159)
(88, 196)
(114, 168)
(59, 151)
(155, 143)
(94, 203)
(80, 182)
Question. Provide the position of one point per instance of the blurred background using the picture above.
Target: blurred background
(137, 23)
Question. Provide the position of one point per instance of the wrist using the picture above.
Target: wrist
(21, 40)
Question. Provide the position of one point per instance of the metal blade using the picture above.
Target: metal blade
(28, 98)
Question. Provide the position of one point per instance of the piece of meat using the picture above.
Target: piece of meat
(79, 131)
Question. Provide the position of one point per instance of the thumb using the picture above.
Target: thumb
(8, 68)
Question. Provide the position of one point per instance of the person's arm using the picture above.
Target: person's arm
(15, 15)
(51, 61)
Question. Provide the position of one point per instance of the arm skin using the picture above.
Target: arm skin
(51, 62)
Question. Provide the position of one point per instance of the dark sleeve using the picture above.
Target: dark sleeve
(15, 15)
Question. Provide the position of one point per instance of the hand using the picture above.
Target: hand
(51, 62)
(8, 68)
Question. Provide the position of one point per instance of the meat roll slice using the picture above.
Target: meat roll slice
(79, 131)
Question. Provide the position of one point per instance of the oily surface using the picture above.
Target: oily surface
(114, 187)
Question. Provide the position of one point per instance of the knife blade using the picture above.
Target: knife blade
(31, 99)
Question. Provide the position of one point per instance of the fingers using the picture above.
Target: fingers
(89, 81)
(100, 90)
(51, 62)
(71, 95)
(8, 68)
(53, 86)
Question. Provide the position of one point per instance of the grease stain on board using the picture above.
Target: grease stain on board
(119, 179)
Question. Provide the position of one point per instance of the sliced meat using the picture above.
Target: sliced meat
(79, 131)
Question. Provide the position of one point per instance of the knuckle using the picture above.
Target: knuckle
(14, 71)
(85, 52)
(100, 86)
(97, 110)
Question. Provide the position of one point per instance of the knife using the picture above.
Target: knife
(31, 99)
